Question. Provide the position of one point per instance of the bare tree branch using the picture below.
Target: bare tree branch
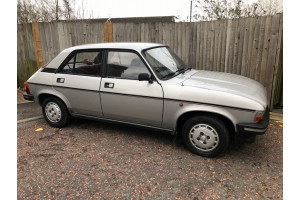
(230, 9)
(29, 11)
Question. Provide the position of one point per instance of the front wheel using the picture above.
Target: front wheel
(55, 112)
(205, 135)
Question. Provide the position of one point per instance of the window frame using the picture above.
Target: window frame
(143, 53)
(104, 74)
(73, 55)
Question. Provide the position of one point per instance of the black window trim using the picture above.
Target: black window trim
(104, 60)
(143, 52)
(74, 53)
(106, 50)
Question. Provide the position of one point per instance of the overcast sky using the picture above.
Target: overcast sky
(141, 8)
(135, 8)
(138, 8)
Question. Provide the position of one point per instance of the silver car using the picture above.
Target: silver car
(148, 85)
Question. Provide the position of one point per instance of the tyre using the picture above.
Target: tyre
(205, 135)
(55, 112)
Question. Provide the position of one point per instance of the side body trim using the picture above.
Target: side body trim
(202, 103)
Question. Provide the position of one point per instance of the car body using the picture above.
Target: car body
(148, 85)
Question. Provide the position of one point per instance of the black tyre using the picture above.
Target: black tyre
(55, 112)
(205, 135)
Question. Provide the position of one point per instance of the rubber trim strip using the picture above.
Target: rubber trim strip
(123, 122)
(167, 99)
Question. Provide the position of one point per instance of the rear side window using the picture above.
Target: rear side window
(84, 63)
(125, 65)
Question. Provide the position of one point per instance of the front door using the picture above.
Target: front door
(79, 81)
(124, 97)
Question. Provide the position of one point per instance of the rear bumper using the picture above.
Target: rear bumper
(248, 131)
(28, 97)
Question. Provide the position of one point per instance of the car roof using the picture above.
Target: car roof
(137, 46)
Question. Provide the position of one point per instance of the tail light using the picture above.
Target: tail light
(26, 88)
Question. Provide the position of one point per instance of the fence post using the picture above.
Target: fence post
(108, 32)
(37, 44)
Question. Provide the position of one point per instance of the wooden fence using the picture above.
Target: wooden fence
(249, 47)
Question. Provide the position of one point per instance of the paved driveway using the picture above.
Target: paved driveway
(93, 160)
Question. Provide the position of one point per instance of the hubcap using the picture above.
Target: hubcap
(53, 112)
(204, 137)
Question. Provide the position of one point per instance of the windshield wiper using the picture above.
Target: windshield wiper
(180, 70)
(177, 71)
(184, 69)
(188, 68)
(168, 75)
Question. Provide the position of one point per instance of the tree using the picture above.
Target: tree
(29, 11)
(271, 6)
(228, 9)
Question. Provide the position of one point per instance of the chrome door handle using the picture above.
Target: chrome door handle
(109, 85)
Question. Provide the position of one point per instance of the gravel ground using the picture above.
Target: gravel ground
(93, 160)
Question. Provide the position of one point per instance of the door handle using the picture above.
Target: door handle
(60, 80)
(109, 85)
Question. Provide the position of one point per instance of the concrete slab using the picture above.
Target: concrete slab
(28, 110)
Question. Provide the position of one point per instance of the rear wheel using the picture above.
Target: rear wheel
(55, 112)
(205, 135)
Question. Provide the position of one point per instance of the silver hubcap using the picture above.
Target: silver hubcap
(204, 137)
(53, 112)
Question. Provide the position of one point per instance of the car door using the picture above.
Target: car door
(79, 81)
(123, 96)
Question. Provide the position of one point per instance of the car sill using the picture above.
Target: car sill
(122, 122)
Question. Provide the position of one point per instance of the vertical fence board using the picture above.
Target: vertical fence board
(278, 68)
(272, 54)
(265, 50)
(260, 48)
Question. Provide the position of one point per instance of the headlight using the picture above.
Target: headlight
(259, 115)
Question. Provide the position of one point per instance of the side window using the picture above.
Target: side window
(125, 65)
(84, 63)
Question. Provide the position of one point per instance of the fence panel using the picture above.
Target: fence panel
(26, 60)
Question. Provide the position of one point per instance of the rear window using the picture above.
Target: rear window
(84, 63)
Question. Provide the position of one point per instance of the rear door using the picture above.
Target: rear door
(124, 97)
(79, 81)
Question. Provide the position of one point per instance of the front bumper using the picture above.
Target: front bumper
(28, 97)
(248, 131)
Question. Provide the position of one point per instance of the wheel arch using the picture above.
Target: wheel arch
(187, 115)
(42, 95)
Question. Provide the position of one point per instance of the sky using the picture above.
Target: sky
(135, 8)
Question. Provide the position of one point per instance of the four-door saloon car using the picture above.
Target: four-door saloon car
(148, 85)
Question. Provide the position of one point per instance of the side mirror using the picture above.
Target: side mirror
(145, 77)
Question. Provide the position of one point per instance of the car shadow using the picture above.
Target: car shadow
(128, 130)
(159, 137)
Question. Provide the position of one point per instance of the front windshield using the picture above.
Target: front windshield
(164, 62)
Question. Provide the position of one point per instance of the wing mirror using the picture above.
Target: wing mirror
(145, 77)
